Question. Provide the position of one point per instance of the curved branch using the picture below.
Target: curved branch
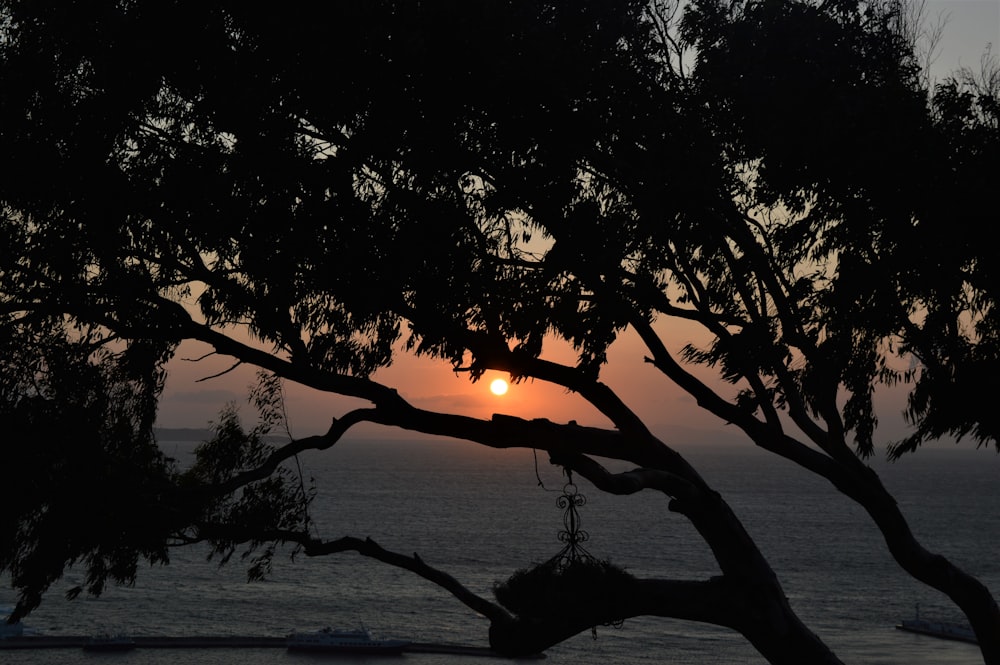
(626, 482)
(766, 436)
(319, 442)
(492, 352)
(710, 601)
(231, 368)
(414, 564)
(313, 547)
(734, 550)
(860, 483)
(176, 321)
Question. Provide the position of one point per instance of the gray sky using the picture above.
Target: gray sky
(970, 26)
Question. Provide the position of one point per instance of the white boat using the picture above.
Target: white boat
(359, 640)
(110, 642)
(943, 629)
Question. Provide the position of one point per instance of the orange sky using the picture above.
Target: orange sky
(428, 384)
(431, 384)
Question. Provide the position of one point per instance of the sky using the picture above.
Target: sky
(192, 400)
(969, 27)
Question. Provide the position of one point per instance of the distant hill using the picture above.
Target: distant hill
(200, 435)
(181, 434)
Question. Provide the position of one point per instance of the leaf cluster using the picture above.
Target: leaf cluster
(549, 589)
(86, 483)
(277, 503)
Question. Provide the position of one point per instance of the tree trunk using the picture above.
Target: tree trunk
(777, 632)
(971, 596)
(758, 610)
(747, 597)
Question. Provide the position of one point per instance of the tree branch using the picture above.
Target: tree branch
(708, 601)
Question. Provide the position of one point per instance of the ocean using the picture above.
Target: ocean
(480, 514)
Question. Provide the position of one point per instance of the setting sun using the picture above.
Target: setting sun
(498, 387)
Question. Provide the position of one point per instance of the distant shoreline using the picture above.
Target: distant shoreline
(228, 642)
(199, 435)
(181, 434)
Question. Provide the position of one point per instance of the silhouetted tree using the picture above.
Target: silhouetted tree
(346, 181)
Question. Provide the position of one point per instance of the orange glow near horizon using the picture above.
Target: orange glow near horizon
(191, 401)
(430, 384)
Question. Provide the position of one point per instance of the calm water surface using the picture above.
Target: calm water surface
(480, 514)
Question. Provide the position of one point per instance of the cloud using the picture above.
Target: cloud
(213, 397)
(453, 402)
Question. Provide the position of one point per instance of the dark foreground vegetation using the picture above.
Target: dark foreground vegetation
(315, 188)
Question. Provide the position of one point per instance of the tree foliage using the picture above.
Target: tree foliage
(316, 189)
(91, 482)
